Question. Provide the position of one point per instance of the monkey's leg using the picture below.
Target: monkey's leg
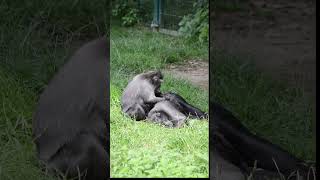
(83, 157)
(137, 112)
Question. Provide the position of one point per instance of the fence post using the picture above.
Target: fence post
(157, 9)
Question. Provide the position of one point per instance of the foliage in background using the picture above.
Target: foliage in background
(196, 25)
(125, 11)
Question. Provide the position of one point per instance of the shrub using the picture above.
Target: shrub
(196, 25)
(125, 12)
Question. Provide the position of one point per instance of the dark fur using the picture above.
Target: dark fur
(222, 169)
(174, 111)
(166, 113)
(238, 145)
(183, 106)
(69, 125)
(140, 94)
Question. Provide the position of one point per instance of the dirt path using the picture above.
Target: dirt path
(280, 36)
(196, 71)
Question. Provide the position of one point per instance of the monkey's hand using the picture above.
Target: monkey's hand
(158, 93)
(168, 96)
(153, 99)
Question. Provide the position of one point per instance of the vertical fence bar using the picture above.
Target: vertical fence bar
(155, 21)
(160, 11)
(157, 12)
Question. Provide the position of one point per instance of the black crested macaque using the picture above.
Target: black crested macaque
(140, 94)
(174, 111)
(166, 113)
(184, 107)
(71, 119)
(238, 145)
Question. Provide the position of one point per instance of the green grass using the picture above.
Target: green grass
(36, 38)
(141, 149)
(17, 153)
(136, 49)
(268, 108)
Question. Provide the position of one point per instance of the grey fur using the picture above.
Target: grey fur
(166, 113)
(69, 124)
(174, 111)
(140, 94)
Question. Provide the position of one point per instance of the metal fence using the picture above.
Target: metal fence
(164, 14)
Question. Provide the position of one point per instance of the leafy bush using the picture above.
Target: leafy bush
(196, 25)
(125, 12)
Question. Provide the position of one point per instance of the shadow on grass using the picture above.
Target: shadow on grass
(268, 108)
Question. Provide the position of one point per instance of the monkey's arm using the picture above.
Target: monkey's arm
(153, 99)
(158, 93)
(228, 152)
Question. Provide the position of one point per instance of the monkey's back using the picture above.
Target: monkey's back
(64, 107)
(133, 93)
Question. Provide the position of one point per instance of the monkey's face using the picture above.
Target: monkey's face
(155, 77)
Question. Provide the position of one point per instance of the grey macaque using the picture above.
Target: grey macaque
(140, 94)
(174, 111)
(166, 113)
(70, 124)
(184, 107)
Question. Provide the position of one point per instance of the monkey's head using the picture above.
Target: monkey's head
(155, 77)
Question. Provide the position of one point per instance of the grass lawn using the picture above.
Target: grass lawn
(36, 38)
(141, 149)
(17, 152)
(268, 108)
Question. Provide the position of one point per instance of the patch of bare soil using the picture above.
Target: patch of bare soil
(196, 71)
(279, 36)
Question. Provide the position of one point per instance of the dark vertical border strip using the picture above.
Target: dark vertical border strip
(107, 32)
(210, 81)
(315, 109)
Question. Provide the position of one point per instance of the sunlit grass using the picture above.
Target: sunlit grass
(142, 149)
